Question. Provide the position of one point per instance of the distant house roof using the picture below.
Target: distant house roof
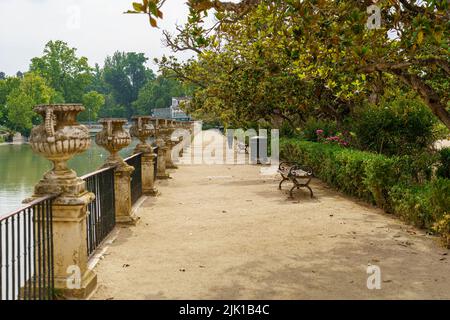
(174, 111)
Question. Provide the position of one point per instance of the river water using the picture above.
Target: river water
(21, 169)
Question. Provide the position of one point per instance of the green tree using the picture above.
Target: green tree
(326, 44)
(63, 70)
(125, 74)
(20, 113)
(6, 87)
(158, 94)
(98, 83)
(32, 91)
(111, 108)
(93, 102)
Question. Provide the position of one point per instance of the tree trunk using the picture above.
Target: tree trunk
(426, 93)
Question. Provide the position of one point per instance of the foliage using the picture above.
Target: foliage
(32, 91)
(158, 94)
(150, 8)
(92, 101)
(398, 126)
(6, 87)
(124, 86)
(287, 131)
(388, 182)
(358, 173)
(112, 108)
(312, 125)
(444, 166)
(63, 70)
(20, 113)
(125, 74)
(321, 49)
(426, 206)
(443, 227)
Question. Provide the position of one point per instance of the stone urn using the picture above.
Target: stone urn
(161, 132)
(58, 139)
(162, 129)
(113, 138)
(172, 127)
(142, 129)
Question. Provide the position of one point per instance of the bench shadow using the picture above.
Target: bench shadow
(283, 198)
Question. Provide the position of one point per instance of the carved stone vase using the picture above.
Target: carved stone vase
(142, 129)
(170, 142)
(58, 139)
(161, 134)
(113, 138)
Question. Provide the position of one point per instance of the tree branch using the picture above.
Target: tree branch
(426, 92)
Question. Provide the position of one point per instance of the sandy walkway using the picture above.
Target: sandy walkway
(226, 232)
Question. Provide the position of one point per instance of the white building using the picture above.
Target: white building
(174, 111)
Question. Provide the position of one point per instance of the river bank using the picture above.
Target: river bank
(21, 169)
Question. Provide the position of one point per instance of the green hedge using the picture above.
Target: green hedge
(389, 182)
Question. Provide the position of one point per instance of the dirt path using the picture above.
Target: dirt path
(226, 232)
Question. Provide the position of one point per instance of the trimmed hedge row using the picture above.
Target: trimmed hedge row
(389, 182)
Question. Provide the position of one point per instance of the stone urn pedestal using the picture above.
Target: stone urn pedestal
(161, 132)
(114, 138)
(58, 139)
(170, 143)
(142, 129)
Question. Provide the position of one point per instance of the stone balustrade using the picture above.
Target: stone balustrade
(58, 139)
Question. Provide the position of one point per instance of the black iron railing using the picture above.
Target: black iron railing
(101, 217)
(136, 178)
(26, 252)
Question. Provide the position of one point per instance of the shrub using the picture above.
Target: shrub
(444, 163)
(443, 228)
(382, 173)
(286, 130)
(411, 204)
(398, 127)
(312, 125)
(388, 182)
(358, 173)
(426, 206)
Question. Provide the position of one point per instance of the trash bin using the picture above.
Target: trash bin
(155, 163)
(230, 138)
(258, 150)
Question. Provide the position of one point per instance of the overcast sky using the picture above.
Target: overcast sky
(97, 28)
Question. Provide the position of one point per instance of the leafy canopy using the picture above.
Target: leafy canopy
(63, 70)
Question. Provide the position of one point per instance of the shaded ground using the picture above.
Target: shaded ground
(226, 232)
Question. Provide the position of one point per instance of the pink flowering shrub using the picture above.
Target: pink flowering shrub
(341, 138)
